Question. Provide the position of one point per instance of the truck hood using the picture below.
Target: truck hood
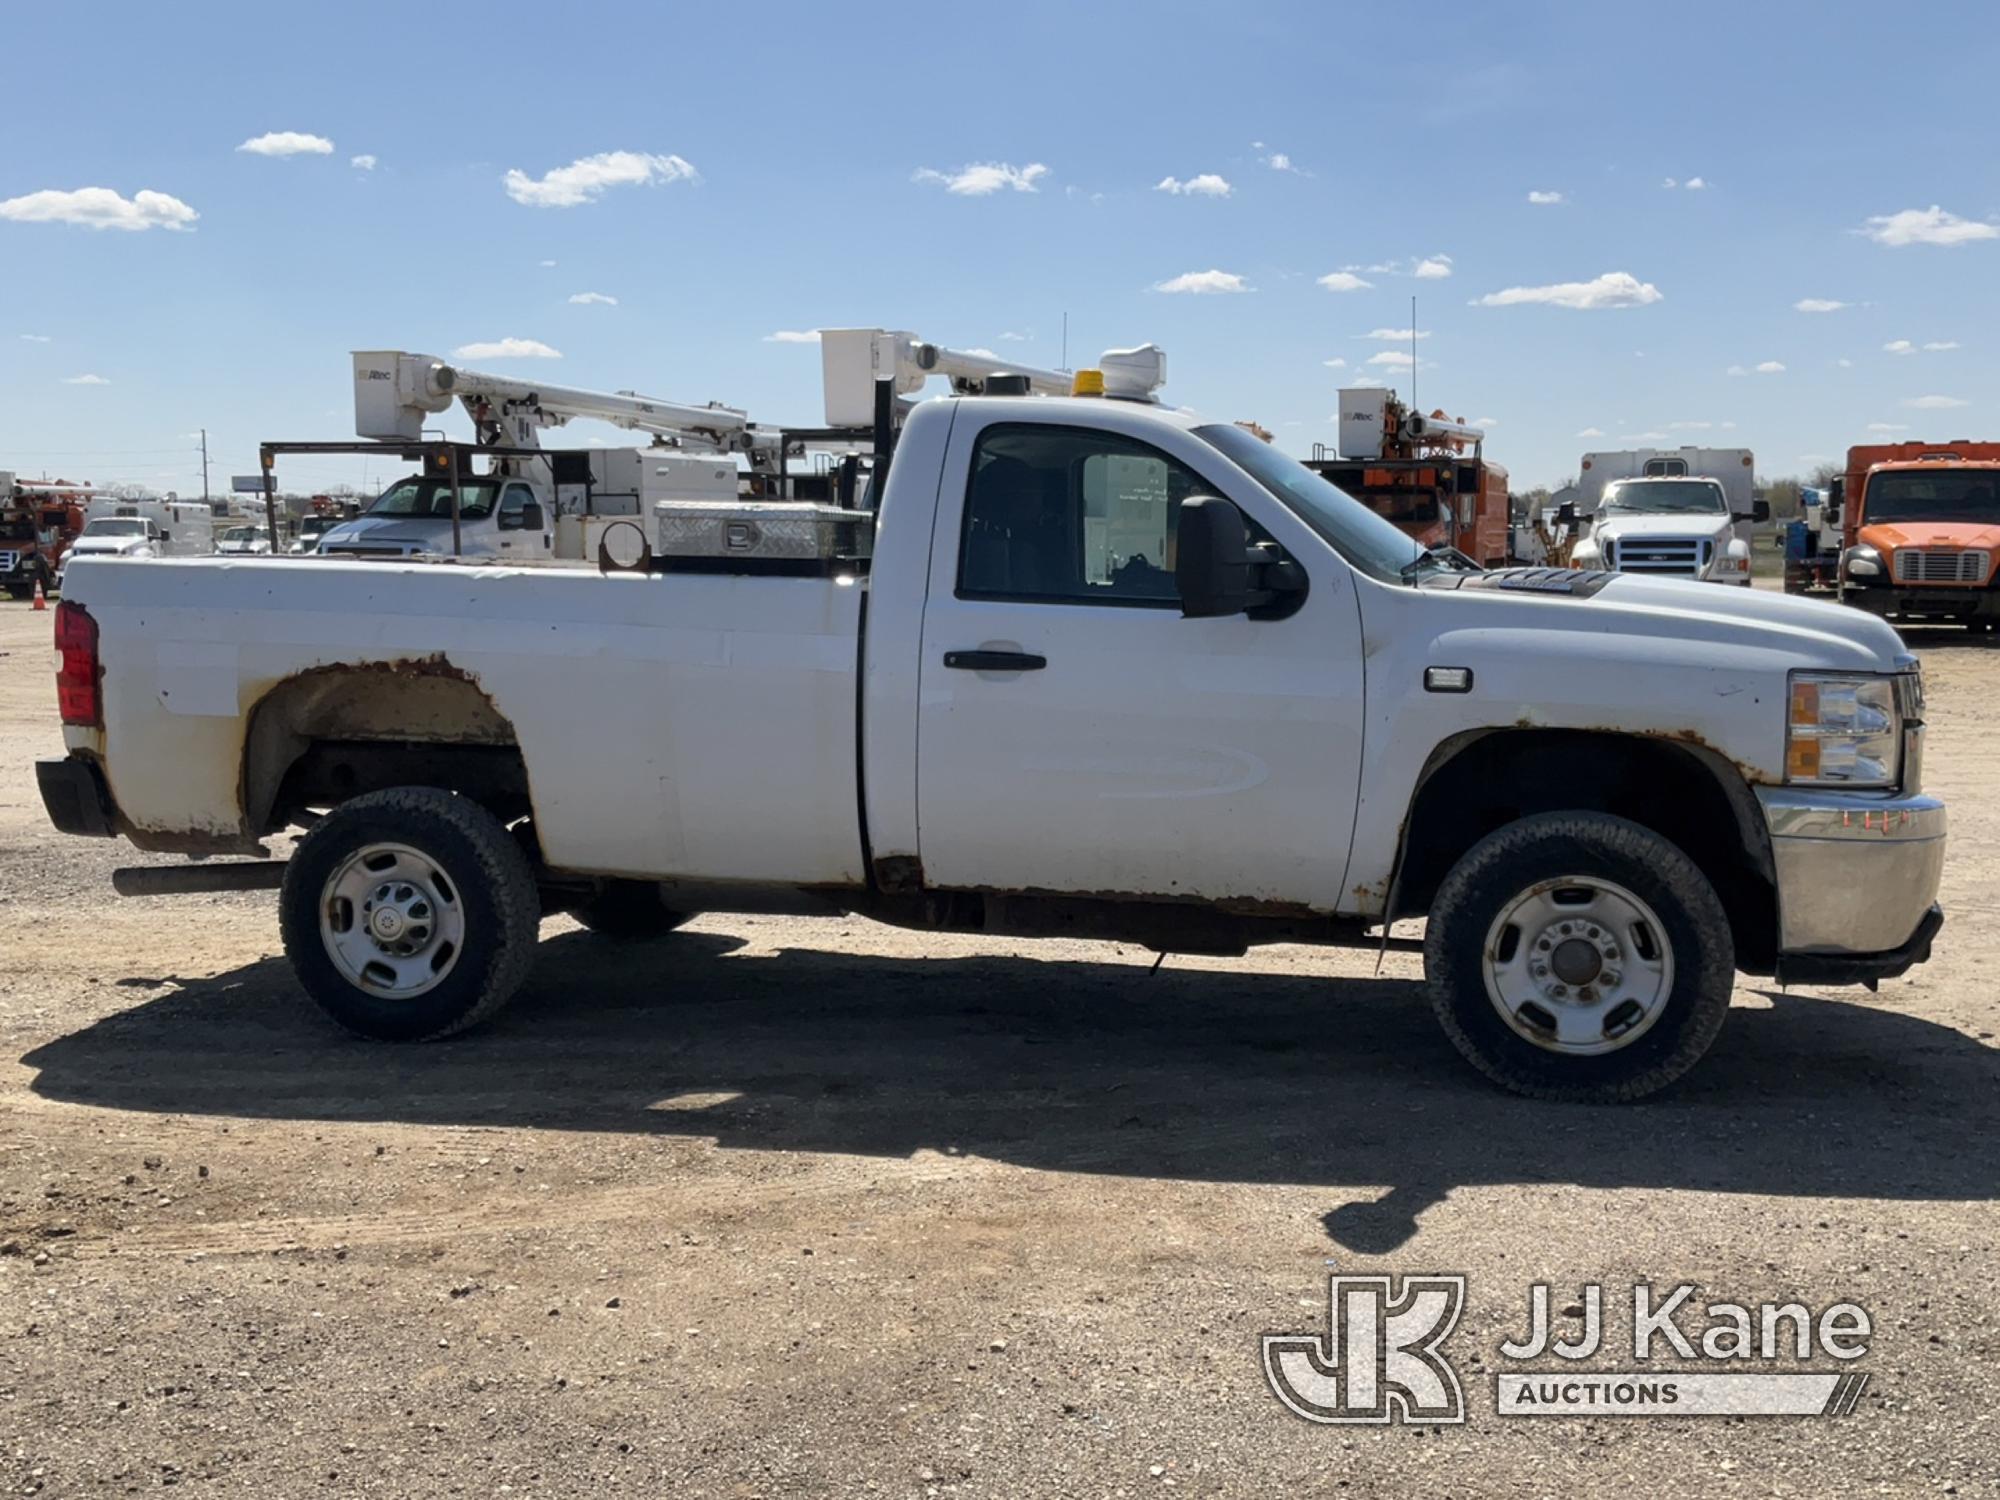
(108, 546)
(406, 533)
(1893, 534)
(1646, 621)
(1630, 524)
(1817, 633)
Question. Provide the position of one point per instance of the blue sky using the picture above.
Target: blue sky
(788, 168)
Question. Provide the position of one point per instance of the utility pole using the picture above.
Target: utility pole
(204, 466)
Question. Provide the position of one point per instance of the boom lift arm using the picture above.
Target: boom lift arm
(395, 391)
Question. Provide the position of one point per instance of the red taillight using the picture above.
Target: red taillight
(79, 690)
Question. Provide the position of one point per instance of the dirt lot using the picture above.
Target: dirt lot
(803, 1207)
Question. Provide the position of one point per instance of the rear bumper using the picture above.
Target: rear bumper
(1858, 879)
(77, 800)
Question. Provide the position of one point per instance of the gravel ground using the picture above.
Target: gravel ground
(807, 1207)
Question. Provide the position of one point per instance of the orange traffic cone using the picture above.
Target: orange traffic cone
(41, 599)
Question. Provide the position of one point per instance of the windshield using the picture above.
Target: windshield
(313, 525)
(1667, 497)
(1349, 527)
(432, 497)
(1938, 495)
(241, 534)
(115, 526)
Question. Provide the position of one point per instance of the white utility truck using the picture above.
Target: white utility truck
(1109, 670)
(1684, 513)
(142, 528)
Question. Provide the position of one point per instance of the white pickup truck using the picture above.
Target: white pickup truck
(1112, 671)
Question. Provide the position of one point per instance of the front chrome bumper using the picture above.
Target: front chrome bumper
(1857, 871)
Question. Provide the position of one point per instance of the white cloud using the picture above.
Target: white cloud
(1202, 282)
(99, 208)
(1933, 403)
(506, 349)
(1015, 338)
(1433, 268)
(1844, 363)
(1395, 335)
(1486, 422)
(1926, 226)
(1938, 346)
(1689, 426)
(287, 143)
(364, 162)
(1590, 432)
(1394, 359)
(547, 264)
(1899, 346)
(1888, 426)
(1344, 281)
(36, 338)
(1817, 305)
(981, 178)
(1770, 367)
(590, 299)
(793, 336)
(1692, 185)
(1207, 185)
(1612, 289)
(980, 353)
(1545, 197)
(85, 380)
(1334, 364)
(1277, 161)
(585, 179)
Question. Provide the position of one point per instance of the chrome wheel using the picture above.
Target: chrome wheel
(392, 921)
(1578, 965)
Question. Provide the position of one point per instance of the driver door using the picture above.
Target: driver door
(1076, 733)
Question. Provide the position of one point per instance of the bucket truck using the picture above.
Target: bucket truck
(526, 503)
(1415, 471)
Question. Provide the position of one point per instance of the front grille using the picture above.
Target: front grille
(8, 561)
(1662, 554)
(1935, 565)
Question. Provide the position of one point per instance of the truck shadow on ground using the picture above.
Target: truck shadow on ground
(1194, 1074)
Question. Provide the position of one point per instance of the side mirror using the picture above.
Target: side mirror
(1566, 513)
(1212, 566)
(1760, 510)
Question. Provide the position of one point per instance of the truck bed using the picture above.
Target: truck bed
(699, 725)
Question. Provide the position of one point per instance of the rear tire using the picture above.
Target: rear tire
(628, 911)
(1579, 957)
(409, 914)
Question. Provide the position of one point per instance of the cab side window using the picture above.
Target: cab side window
(1069, 514)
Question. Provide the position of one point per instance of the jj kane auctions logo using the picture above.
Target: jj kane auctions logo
(1382, 1358)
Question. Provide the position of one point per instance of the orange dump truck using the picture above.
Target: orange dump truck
(1921, 531)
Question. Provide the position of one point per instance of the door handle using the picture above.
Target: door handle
(994, 661)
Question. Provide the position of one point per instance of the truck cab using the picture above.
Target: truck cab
(1670, 526)
(1923, 532)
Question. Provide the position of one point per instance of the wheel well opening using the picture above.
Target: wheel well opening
(336, 732)
(1685, 794)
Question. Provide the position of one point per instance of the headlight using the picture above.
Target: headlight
(1864, 562)
(1842, 731)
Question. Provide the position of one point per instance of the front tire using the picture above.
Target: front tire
(409, 914)
(1579, 957)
